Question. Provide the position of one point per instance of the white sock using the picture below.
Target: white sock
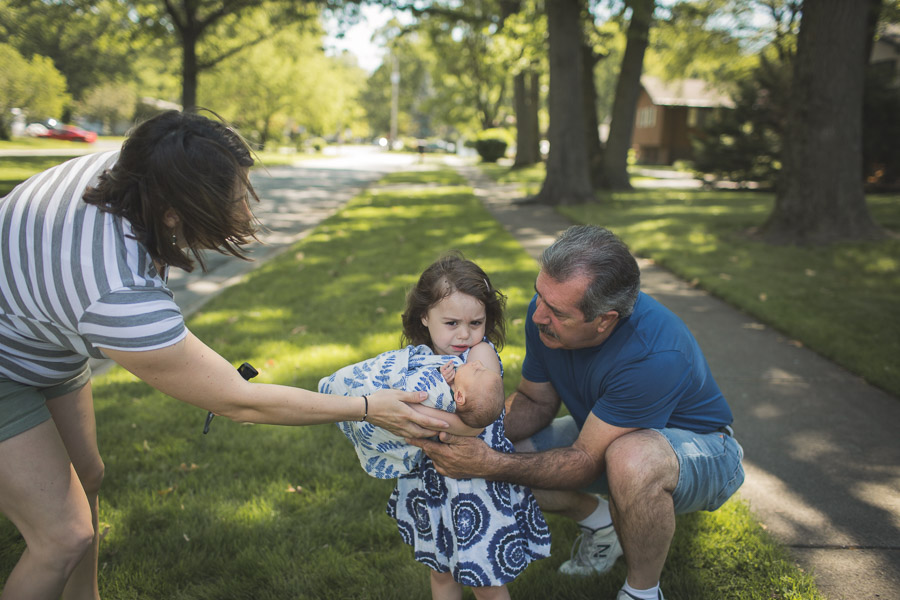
(651, 594)
(598, 519)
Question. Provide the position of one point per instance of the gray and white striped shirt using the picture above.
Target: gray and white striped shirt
(72, 280)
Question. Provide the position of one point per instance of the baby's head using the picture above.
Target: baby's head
(478, 393)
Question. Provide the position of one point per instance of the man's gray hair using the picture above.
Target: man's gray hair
(595, 252)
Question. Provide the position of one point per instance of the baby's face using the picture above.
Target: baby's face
(471, 377)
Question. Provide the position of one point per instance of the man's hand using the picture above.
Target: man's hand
(457, 457)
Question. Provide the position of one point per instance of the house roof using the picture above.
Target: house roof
(889, 34)
(684, 92)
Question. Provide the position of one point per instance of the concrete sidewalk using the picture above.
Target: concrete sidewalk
(822, 452)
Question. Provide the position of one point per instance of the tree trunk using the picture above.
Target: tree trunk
(527, 95)
(589, 89)
(820, 198)
(189, 69)
(568, 173)
(628, 87)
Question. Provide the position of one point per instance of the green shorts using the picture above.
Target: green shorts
(24, 406)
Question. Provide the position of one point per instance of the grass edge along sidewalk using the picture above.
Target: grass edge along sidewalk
(278, 512)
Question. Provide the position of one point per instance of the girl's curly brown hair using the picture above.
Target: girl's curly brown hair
(453, 273)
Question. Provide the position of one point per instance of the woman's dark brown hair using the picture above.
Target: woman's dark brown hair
(190, 164)
(453, 273)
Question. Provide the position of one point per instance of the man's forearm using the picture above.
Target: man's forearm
(524, 417)
(558, 469)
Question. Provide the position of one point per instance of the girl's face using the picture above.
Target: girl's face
(455, 324)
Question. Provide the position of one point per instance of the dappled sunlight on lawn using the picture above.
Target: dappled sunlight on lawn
(297, 363)
(240, 321)
(258, 511)
(253, 511)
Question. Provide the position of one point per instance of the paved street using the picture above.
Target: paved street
(293, 199)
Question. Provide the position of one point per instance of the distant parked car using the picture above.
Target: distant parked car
(72, 134)
(36, 130)
(53, 129)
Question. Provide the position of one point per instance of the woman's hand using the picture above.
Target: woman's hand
(388, 409)
(457, 427)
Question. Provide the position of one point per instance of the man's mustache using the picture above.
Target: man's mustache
(545, 329)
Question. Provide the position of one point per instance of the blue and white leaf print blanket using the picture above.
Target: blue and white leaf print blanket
(414, 368)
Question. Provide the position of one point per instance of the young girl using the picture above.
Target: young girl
(468, 531)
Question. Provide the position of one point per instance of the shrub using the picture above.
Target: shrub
(491, 144)
(31, 84)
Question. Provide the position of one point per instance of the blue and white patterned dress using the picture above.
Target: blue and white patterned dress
(414, 368)
(483, 532)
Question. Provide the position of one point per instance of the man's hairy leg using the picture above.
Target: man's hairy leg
(571, 504)
(643, 471)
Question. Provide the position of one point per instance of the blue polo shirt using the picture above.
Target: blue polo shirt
(649, 373)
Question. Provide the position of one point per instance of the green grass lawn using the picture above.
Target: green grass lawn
(839, 300)
(266, 512)
(16, 169)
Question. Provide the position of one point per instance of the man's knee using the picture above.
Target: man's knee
(641, 462)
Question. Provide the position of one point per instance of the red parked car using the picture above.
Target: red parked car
(71, 133)
(55, 130)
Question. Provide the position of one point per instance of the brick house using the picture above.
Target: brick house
(668, 114)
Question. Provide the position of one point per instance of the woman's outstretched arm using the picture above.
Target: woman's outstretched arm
(192, 372)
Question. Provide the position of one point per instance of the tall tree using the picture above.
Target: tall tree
(89, 41)
(526, 85)
(590, 58)
(279, 84)
(473, 71)
(525, 26)
(415, 61)
(599, 43)
(195, 23)
(628, 86)
(710, 39)
(34, 86)
(480, 44)
(568, 172)
(820, 196)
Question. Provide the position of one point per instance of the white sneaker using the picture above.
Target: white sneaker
(593, 552)
(623, 595)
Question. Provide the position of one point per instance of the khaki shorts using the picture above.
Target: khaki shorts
(23, 407)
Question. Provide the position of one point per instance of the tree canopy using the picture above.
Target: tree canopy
(34, 83)
(457, 67)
